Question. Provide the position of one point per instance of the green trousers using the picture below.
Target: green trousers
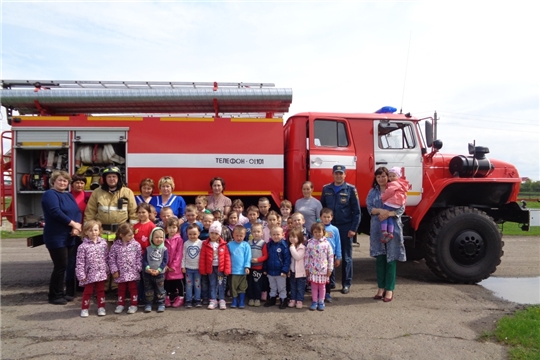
(386, 273)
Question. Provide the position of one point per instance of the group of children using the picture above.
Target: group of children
(262, 256)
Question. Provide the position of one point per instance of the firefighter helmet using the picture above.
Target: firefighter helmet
(111, 169)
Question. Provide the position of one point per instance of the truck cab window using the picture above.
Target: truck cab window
(330, 133)
(396, 136)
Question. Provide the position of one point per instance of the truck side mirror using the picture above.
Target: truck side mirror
(429, 133)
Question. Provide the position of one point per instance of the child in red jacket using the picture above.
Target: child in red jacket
(215, 261)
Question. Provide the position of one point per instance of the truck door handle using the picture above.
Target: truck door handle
(381, 163)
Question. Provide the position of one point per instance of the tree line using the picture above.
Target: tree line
(529, 186)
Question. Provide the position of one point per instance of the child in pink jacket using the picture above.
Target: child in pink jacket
(91, 267)
(174, 275)
(125, 262)
(297, 275)
(393, 198)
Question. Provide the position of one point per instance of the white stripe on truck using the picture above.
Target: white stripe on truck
(203, 161)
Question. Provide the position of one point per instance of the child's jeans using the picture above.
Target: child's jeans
(205, 287)
(89, 291)
(193, 285)
(154, 286)
(318, 292)
(218, 282)
(255, 284)
(298, 287)
(132, 287)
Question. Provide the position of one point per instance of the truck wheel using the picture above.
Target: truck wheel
(464, 245)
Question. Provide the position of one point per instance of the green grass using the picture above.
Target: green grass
(513, 229)
(19, 234)
(521, 332)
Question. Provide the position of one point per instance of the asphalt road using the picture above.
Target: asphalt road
(427, 319)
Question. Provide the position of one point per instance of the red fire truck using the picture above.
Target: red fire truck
(195, 131)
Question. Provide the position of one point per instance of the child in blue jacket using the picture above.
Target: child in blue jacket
(276, 267)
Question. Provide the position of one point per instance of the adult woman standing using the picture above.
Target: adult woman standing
(78, 182)
(308, 205)
(167, 198)
(387, 254)
(218, 201)
(62, 224)
(147, 188)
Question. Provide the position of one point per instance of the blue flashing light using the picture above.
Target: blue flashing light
(386, 110)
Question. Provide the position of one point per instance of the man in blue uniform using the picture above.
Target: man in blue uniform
(342, 198)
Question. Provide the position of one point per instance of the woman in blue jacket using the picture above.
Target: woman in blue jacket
(387, 254)
(62, 216)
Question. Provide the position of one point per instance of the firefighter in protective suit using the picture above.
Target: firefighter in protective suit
(112, 204)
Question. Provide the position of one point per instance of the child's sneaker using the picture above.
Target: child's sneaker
(178, 301)
(132, 309)
(222, 305)
(161, 308)
(212, 305)
(328, 298)
(188, 305)
(292, 303)
(148, 308)
(313, 306)
(321, 305)
(119, 309)
(101, 311)
(251, 302)
(84, 313)
(299, 305)
(168, 302)
(198, 303)
(257, 303)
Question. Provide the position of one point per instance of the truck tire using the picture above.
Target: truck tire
(464, 245)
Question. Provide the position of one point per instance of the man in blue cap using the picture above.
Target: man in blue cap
(342, 198)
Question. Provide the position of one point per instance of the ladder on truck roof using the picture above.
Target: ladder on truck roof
(67, 97)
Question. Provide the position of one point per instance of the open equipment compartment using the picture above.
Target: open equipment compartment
(97, 148)
(36, 155)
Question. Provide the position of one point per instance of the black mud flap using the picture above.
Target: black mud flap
(35, 241)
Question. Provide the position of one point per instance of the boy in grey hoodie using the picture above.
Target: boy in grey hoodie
(155, 261)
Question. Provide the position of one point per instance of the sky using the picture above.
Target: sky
(474, 62)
